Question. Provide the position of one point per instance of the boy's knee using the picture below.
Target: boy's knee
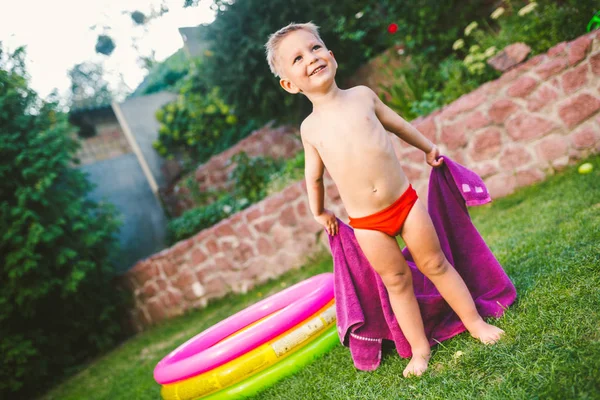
(435, 266)
(397, 282)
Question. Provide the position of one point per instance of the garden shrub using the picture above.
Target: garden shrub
(249, 180)
(199, 124)
(354, 30)
(545, 25)
(292, 171)
(58, 306)
(199, 218)
(251, 176)
(433, 79)
(166, 75)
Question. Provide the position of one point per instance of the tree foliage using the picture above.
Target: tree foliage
(138, 17)
(57, 304)
(353, 30)
(105, 45)
(88, 86)
(199, 124)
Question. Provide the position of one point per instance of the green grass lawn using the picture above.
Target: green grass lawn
(546, 236)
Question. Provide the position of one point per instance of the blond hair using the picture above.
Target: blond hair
(277, 37)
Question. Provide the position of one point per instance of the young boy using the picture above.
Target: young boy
(346, 133)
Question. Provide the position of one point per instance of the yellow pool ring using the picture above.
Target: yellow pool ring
(253, 361)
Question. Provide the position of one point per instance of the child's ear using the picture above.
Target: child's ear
(288, 86)
(331, 52)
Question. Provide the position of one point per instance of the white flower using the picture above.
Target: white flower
(458, 354)
(472, 26)
(359, 15)
(497, 13)
(227, 209)
(474, 48)
(527, 9)
(459, 44)
(468, 59)
(490, 51)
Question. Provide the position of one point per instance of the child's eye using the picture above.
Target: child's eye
(316, 46)
(297, 59)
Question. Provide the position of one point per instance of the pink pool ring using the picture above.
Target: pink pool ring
(208, 350)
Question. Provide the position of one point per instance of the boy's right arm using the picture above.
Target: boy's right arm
(313, 173)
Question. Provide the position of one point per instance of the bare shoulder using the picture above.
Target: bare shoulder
(363, 91)
(307, 127)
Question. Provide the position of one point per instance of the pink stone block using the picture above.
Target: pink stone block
(172, 298)
(522, 87)
(453, 136)
(474, 121)
(578, 49)
(557, 50)
(585, 137)
(529, 176)
(595, 63)
(288, 216)
(170, 268)
(486, 144)
(254, 213)
(264, 226)
(542, 97)
(501, 109)
(412, 173)
(291, 193)
(302, 209)
(552, 147)
(513, 157)
(527, 126)
(577, 109)
(185, 279)
(551, 67)
(264, 247)
(510, 56)
(427, 127)
(223, 263)
(150, 289)
(464, 103)
(145, 272)
(198, 256)
(212, 246)
(575, 79)
(273, 204)
(156, 310)
(484, 170)
(414, 155)
(224, 229)
(501, 185)
(215, 287)
(245, 251)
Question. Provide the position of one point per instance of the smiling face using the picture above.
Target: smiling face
(304, 63)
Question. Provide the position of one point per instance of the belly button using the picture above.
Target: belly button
(374, 190)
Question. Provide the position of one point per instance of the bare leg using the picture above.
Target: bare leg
(383, 253)
(421, 239)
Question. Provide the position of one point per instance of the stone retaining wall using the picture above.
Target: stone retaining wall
(535, 119)
(283, 142)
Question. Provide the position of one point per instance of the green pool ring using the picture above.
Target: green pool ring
(282, 369)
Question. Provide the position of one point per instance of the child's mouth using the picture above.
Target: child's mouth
(317, 70)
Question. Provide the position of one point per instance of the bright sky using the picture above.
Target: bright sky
(57, 35)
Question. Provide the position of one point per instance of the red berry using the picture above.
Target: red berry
(392, 28)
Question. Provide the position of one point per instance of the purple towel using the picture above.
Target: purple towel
(364, 314)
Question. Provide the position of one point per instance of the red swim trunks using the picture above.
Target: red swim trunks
(391, 219)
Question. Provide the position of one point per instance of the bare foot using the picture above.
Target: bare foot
(417, 365)
(486, 333)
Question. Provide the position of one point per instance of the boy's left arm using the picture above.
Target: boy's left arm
(394, 123)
